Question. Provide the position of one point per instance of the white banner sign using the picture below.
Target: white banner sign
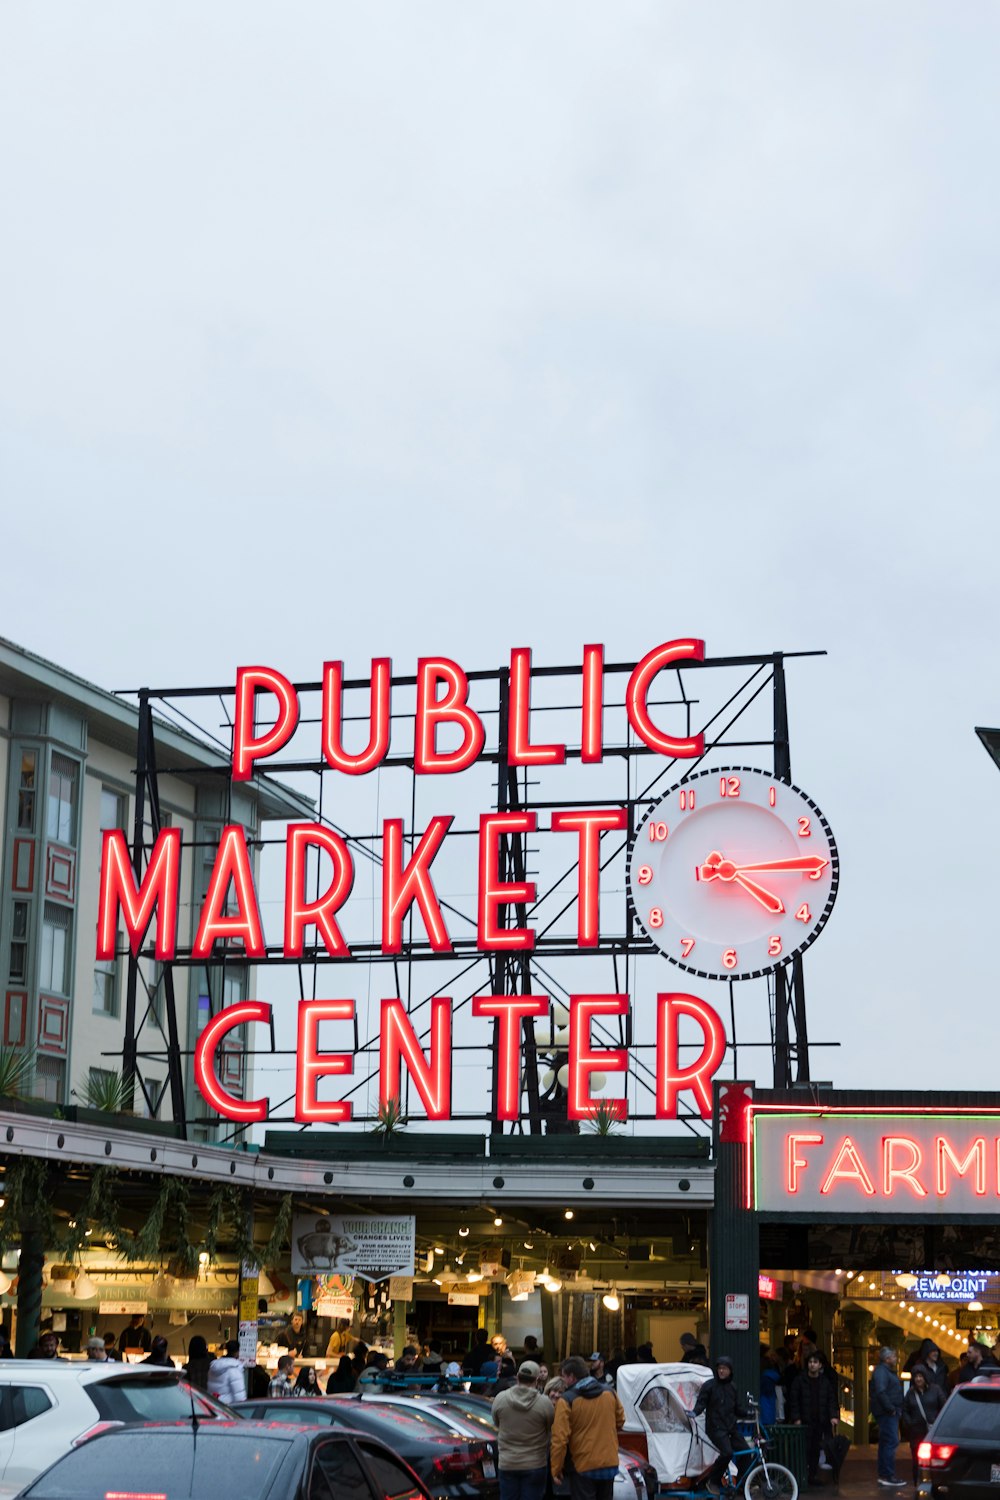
(463, 1299)
(122, 1309)
(372, 1246)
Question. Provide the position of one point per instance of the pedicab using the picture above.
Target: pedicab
(661, 1427)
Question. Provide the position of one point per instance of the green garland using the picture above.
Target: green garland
(32, 1186)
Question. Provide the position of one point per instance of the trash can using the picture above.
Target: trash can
(788, 1447)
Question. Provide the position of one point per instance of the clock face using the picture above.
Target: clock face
(733, 872)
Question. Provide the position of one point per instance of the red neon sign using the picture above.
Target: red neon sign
(520, 751)
(379, 718)
(244, 1111)
(589, 826)
(400, 1045)
(584, 1059)
(247, 746)
(301, 913)
(671, 1077)
(404, 884)
(452, 708)
(431, 1075)
(637, 693)
(312, 1064)
(494, 892)
(232, 867)
(511, 1011)
(157, 894)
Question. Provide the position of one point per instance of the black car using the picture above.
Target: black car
(960, 1455)
(228, 1460)
(451, 1467)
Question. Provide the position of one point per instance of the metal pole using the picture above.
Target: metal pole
(130, 1043)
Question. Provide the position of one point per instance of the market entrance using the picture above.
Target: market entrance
(864, 1221)
(579, 1242)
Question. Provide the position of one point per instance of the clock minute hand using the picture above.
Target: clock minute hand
(810, 863)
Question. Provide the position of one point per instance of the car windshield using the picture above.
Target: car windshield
(478, 1418)
(156, 1399)
(374, 1415)
(972, 1413)
(146, 1465)
(435, 1419)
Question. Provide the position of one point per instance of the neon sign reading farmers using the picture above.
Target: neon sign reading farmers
(448, 738)
(835, 1160)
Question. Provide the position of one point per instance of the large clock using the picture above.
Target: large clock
(732, 873)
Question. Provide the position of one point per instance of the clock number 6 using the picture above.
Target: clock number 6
(656, 917)
(729, 959)
(645, 874)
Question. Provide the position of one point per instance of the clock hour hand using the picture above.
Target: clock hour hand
(717, 868)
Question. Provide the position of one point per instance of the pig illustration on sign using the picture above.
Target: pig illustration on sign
(322, 1248)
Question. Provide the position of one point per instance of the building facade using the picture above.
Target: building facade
(67, 773)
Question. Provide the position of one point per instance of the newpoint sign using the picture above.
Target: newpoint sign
(730, 874)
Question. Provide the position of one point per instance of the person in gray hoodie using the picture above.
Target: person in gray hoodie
(523, 1418)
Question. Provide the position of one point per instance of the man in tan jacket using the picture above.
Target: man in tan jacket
(589, 1417)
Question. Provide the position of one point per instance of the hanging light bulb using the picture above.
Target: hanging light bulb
(265, 1286)
(611, 1301)
(497, 1222)
(84, 1288)
(464, 1232)
(473, 1276)
(553, 1284)
(567, 1213)
(5, 1283)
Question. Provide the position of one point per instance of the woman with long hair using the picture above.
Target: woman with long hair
(343, 1379)
(306, 1383)
(198, 1362)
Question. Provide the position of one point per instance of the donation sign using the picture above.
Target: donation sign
(372, 1246)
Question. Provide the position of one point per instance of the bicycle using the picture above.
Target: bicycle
(763, 1480)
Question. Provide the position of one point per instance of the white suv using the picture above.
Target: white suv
(49, 1405)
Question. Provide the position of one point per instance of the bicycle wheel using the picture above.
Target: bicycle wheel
(773, 1483)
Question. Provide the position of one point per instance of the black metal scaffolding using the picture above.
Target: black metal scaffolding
(645, 777)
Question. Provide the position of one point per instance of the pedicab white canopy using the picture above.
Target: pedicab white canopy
(659, 1401)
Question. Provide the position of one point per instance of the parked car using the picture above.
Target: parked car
(47, 1405)
(452, 1466)
(960, 1455)
(220, 1460)
(635, 1480)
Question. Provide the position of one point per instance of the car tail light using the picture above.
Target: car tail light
(94, 1431)
(935, 1455)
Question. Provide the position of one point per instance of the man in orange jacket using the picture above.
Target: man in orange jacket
(589, 1417)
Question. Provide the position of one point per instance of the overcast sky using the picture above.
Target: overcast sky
(334, 331)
